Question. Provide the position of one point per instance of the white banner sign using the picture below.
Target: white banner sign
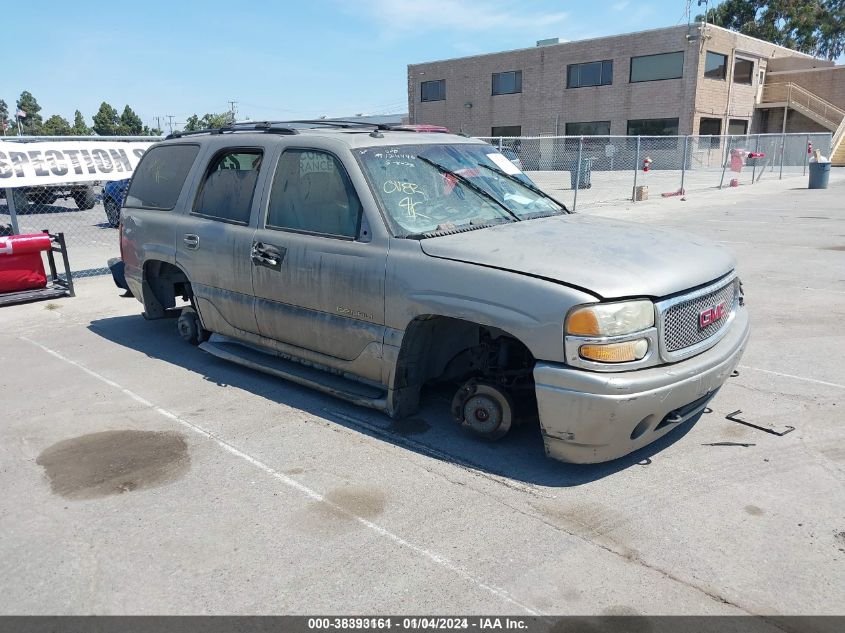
(57, 162)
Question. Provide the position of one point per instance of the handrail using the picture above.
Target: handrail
(793, 94)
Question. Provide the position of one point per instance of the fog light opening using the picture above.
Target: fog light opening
(642, 427)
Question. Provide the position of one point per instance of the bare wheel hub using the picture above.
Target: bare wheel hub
(483, 409)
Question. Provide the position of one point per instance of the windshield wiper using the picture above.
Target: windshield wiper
(529, 186)
(466, 181)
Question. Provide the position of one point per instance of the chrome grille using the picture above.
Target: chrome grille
(680, 320)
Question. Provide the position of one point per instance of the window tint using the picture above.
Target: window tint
(743, 71)
(312, 193)
(656, 67)
(715, 65)
(589, 74)
(653, 127)
(433, 90)
(506, 130)
(158, 179)
(589, 128)
(228, 187)
(507, 83)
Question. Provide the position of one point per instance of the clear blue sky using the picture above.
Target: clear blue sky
(279, 60)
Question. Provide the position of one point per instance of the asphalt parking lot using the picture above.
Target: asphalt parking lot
(141, 475)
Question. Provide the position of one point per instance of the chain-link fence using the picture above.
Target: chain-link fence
(613, 168)
(86, 211)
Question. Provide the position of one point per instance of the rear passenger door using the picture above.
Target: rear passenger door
(215, 243)
(318, 275)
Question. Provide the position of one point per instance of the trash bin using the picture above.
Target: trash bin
(586, 173)
(819, 175)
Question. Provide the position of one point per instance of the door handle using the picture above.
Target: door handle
(267, 255)
(191, 241)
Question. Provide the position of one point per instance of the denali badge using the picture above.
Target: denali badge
(711, 315)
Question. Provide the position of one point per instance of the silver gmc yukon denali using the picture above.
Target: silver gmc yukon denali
(370, 262)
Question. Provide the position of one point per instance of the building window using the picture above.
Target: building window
(433, 90)
(507, 83)
(710, 127)
(589, 74)
(653, 127)
(589, 128)
(715, 65)
(229, 185)
(657, 67)
(743, 71)
(506, 130)
(737, 127)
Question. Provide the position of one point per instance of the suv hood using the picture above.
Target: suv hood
(609, 258)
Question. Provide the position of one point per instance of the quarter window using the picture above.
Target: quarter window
(743, 71)
(312, 193)
(229, 185)
(715, 65)
(433, 90)
(507, 83)
(589, 74)
(159, 178)
(657, 67)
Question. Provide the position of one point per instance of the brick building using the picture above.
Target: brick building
(696, 79)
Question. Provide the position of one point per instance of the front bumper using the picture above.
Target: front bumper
(589, 417)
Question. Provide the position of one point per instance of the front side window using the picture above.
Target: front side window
(657, 67)
(653, 127)
(589, 74)
(432, 188)
(507, 83)
(743, 71)
(715, 65)
(312, 193)
(433, 90)
(229, 185)
(589, 128)
(160, 176)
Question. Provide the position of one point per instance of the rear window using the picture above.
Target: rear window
(159, 177)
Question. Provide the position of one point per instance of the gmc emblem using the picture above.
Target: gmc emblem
(711, 315)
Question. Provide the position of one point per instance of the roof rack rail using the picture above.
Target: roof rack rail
(270, 127)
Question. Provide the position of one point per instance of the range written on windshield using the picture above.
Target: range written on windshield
(427, 189)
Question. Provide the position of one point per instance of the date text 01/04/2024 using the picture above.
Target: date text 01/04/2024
(417, 623)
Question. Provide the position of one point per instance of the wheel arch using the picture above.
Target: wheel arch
(161, 283)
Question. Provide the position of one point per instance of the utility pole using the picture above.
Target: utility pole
(158, 123)
(232, 109)
(170, 122)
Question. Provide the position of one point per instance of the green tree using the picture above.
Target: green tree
(816, 27)
(106, 121)
(150, 131)
(56, 126)
(32, 122)
(80, 127)
(130, 123)
(208, 121)
(4, 117)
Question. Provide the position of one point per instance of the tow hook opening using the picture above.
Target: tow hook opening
(685, 412)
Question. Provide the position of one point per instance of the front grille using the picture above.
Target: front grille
(681, 320)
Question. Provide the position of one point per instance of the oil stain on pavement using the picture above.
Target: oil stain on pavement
(114, 462)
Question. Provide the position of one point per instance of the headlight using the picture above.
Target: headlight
(611, 319)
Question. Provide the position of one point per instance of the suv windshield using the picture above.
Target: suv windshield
(431, 188)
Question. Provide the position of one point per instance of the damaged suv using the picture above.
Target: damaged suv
(369, 262)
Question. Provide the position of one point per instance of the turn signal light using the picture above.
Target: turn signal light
(615, 352)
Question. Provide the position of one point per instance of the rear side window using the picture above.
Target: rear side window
(313, 194)
(160, 176)
(229, 185)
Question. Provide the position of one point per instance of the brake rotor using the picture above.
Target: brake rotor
(483, 409)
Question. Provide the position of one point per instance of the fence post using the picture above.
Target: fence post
(782, 154)
(756, 151)
(578, 173)
(806, 154)
(500, 143)
(725, 162)
(636, 169)
(684, 164)
(13, 214)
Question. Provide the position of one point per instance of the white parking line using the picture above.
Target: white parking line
(804, 378)
(292, 483)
